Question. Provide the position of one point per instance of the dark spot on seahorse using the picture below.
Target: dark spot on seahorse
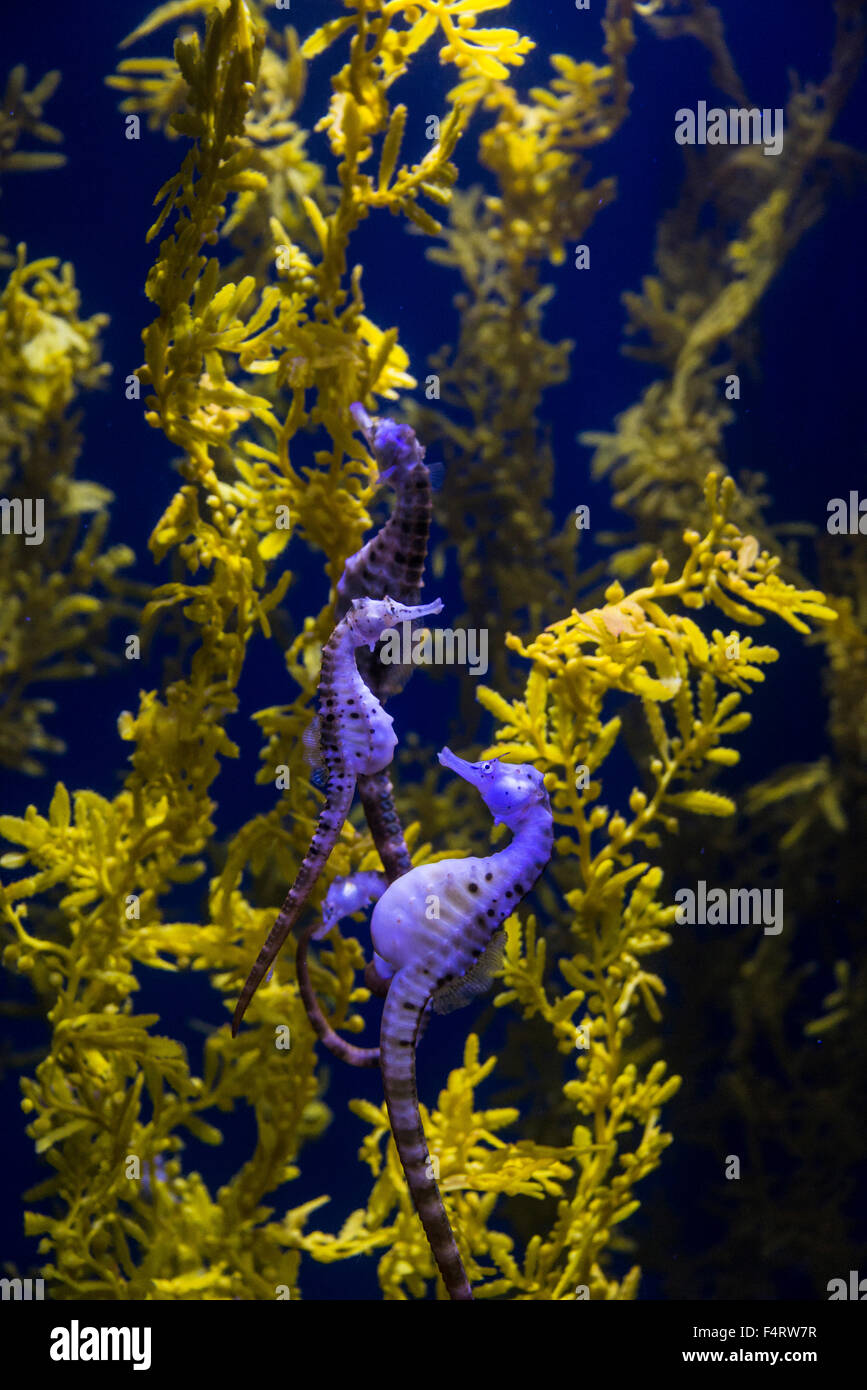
(473, 887)
(354, 715)
(478, 951)
(488, 877)
(491, 912)
(509, 893)
(409, 1006)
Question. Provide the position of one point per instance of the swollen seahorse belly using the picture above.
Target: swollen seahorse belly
(447, 911)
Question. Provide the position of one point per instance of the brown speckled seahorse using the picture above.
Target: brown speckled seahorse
(392, 561)
(356, 739)
(436, 935)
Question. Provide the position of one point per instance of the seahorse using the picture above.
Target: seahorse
(348, 895)
(356, 738)
(392, 561)
(441, 959)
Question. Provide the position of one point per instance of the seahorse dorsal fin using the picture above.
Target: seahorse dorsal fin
(477, 980)
(312, 746)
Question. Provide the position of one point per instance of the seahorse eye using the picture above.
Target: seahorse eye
(486, 767)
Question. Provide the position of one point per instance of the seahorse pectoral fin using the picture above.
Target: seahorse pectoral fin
(478, 979)
(311, 740)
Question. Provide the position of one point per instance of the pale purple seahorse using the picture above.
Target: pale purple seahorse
(348, 895)
(436, 935)
(356, 738)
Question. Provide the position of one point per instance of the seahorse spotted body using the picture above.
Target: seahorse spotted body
(441, 960)
(356, 738)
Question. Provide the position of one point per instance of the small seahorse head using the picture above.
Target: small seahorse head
(393, 445)
(509, 790)
(370, 617)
